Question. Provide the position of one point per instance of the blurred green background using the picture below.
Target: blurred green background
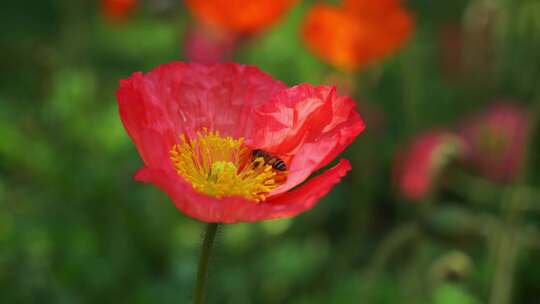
(76, 228)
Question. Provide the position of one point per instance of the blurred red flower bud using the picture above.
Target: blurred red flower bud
(418, 166)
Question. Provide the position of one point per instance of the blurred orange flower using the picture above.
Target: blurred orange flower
(239, 16)
(356, 33)
(118, 10)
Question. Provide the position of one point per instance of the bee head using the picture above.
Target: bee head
(257, 153)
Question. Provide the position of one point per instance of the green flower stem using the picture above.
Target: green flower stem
(508, 245)
(204, 259)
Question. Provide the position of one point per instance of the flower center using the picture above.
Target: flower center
(223, 166)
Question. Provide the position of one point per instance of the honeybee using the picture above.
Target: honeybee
(269, 159)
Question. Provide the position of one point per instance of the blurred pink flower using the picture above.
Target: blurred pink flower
(417, 167)
(496, 140)
(205, 45)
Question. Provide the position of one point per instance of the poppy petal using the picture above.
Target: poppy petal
(307, 195)
(181, 98)
(308, 126)
(235, 209)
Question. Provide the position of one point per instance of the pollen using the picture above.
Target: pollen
(222, 166)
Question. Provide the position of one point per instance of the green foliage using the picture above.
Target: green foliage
(75, 227)
(449, 294)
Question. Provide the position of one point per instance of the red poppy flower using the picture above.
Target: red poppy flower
(417, 167)
(496, 141)
(239, 16)
(356, 33)
(196, 127)
(118, 10)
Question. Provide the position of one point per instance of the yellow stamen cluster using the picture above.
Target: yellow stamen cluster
(222, 166)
